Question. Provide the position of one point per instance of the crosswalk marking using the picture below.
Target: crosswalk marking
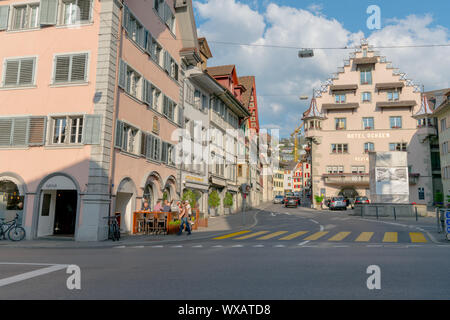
(364, 237)
(417, 237)
(272, 235)
(316, 235)
(294, 235)
(232, 235)
(390, 237)
(339, 236)
(252, 235)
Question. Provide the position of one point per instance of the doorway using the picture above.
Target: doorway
(65, 212)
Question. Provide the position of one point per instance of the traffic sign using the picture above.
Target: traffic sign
(447, 215)
(448, 229)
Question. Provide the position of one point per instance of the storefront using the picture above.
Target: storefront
(198, 185)
(11, 198)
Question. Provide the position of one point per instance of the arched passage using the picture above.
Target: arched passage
(126, 203)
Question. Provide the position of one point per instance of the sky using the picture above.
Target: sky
(281, 77)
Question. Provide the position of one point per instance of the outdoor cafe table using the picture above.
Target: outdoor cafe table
(135, 226)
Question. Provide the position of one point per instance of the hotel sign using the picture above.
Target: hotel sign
(369, 135)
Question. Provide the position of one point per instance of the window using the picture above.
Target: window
(340, 123)
(395, 122)
(75, 11)
(197, 98)
(368, 123)
(67, 130)
(129, 138)
(421, 192)
(397, 146)
(70, 68)
(392, 96)
(358, 169)
(133, 83)
(443, 124)
(366, 76)
(25, 17)
(366, 97)
(334, 169)
(340, 98)
(339, 148)
(189, 94)
(369, 146)
(19, 72)
(204, 103)
(444, 149)
(169, 108)
(165, 13)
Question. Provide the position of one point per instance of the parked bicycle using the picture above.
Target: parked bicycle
(12, 229)
(114, 229)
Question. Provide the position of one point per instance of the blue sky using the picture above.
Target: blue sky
(281, 77)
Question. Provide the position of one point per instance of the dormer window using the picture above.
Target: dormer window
(366, 75)
(340, 98)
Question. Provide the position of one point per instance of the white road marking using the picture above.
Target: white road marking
(314, 221)
(237, 246)
(218, 246)
(138, 247)
(303, 243)
(374, 245)
(321, 228)
(197, 246)
(31, 274)
(157, 246)
(119, 247)
(178, 246)
(258, 246)
(279, 246)
(340, 246)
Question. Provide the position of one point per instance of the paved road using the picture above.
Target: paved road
(289, 254)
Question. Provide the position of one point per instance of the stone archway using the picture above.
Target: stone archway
(348, 192)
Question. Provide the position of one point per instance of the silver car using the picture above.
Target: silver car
(278, 199)
(338, 203)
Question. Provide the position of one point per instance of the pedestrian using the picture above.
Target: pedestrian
(158, 206)
(184, 215)
(145, 207)
(166, 207)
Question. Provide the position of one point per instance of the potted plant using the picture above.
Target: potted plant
(319, 200)
(174, 226)
(228, 201)
(214, 200)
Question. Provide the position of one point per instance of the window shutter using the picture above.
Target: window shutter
(11, 73)
(36, 131)
(26, 75)
(157, 150)
(19, 132)
(164, 152)
(166, 61)
(4, 15)
(5, 132)
(180, 115)
(62, 67)
(49, 12)
(149, 44)
(78, 72)
(119, 134)
(144, 90)
(150, 139)
(122, 74)
(143, 150)
(165, 105)
(149, 94)
(91, 130)
(125, 18)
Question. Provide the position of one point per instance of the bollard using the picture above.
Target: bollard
(416, 211)
(395, 216)
(438, 220)
(376, 209)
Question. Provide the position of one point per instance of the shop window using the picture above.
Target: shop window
(11, 201)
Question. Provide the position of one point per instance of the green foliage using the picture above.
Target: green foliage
(165, 195)
(174, 223)
(190, 196)
(228, 200)
(439, 197)
(319, 199)
(214, 199)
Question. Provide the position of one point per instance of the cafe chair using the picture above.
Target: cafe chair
(161, 223)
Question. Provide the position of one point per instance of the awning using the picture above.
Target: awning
(366, 60)
(344, 87)
(389, 85)
(198, 186)
(218, 182)
(397, 104)
(339, 106)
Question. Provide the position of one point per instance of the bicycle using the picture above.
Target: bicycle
(12, 229)
(113, 230)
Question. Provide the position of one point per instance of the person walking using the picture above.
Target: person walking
(184, 217)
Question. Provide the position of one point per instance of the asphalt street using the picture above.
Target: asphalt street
(293, 253)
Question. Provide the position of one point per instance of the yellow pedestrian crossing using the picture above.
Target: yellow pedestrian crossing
(339, 236)
(252, 235)
(364, 237)
(294, 235)
(272, 235)
(316, 235)
(390, 237)
(332, 236)
(232, 235)
(417, 237)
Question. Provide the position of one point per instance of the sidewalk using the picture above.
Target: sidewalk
(216, 226)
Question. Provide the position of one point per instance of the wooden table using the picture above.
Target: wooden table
(135, 226)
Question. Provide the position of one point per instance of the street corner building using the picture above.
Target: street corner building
(96, 96)
(368, 106)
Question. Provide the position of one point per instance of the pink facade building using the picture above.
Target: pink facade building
(90, 96)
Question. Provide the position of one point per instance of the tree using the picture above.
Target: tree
(228, 200)
(214, 199)
(319, 199)
(190, 196)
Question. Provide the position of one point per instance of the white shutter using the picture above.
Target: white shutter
(11, 73)
(4, 15)
(78, 72)
(49, 12)
(19, 132)
(125, 18)
(26, 75)
(91, 130)
(62, 69)
(119, 134)
(5, 131)
(149, 150)
(180, 115)
(122, 74)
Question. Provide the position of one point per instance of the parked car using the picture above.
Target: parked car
(291, 202)
(338, 203)
(278, 199)
(362, 200)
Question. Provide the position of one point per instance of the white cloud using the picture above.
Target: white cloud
(281, 77)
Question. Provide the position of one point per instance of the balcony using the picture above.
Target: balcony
(347, 179)
(426, 130)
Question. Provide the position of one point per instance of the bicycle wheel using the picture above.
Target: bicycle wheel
(16, 234)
